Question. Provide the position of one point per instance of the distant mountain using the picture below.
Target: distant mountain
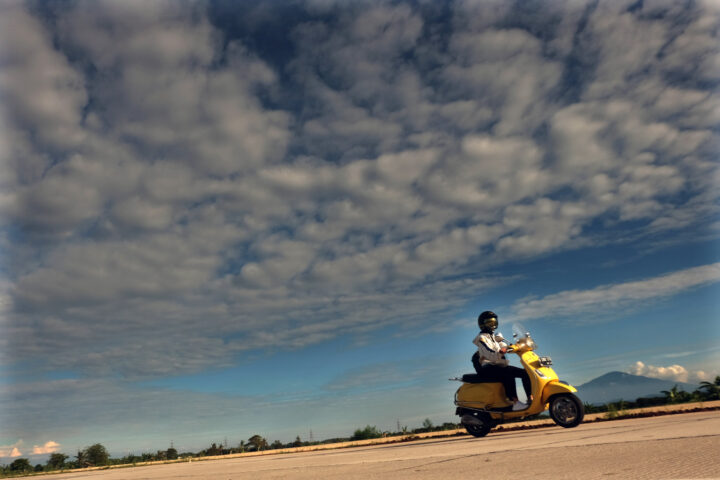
(615, 386)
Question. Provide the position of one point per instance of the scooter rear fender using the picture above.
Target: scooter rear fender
(554, 387)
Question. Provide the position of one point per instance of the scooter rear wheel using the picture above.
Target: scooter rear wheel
(479, 426)
(566, 410)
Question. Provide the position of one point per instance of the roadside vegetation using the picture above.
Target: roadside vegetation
(708, 391)
(97, 455)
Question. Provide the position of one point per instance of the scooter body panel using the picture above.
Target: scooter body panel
(483, 396)
(556, 387)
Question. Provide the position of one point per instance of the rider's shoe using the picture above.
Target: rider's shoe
(519, 406)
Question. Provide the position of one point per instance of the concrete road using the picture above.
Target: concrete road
(680, 446)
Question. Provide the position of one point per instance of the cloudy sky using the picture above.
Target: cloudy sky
(229, 218)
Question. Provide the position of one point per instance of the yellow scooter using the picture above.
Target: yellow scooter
(482, 405)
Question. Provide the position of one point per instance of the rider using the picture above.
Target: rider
(490, 362)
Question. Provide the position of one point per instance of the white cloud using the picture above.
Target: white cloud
(695, 42)
(137, 212)
(40, 90)
(47, 447)
(11, 451)
(493, 64)
(676, 373)
(169, 98)
(672, 372)
(627, 46)
(364, 91)
(591, 302)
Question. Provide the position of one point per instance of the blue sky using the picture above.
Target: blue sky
(222, 219)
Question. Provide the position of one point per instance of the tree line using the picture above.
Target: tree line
(97, 455)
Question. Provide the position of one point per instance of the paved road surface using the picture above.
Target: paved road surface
(669, 447)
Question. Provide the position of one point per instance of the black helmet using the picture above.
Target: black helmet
(487, 321)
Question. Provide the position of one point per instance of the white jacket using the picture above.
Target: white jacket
(489, 346)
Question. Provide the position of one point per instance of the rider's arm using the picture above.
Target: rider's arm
(490, 350)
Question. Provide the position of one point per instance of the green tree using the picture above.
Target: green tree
(38, 468)
(672, 395)
(365, 433)
(171, 454)
(712, 389)
(97, 455)
(21, 465)
(427, 424)
(81, 460)
(297, 442)
(213, 450)
(56, 461)
(276, 444)
(684, 396)
(129, 459)
(256, 442)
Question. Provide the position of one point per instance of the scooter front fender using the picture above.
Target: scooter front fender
(555, 387)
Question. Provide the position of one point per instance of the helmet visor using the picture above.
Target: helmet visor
(490, 323)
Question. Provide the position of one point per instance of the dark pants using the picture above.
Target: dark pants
(504, 375)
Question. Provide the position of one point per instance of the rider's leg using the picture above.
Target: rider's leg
(512, 373)
(527, 385)
(522, 375)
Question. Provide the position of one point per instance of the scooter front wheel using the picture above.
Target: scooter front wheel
(566, 410)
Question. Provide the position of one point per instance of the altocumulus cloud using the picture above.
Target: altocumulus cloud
(171, 197)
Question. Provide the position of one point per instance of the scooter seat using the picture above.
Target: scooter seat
(475, 378)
